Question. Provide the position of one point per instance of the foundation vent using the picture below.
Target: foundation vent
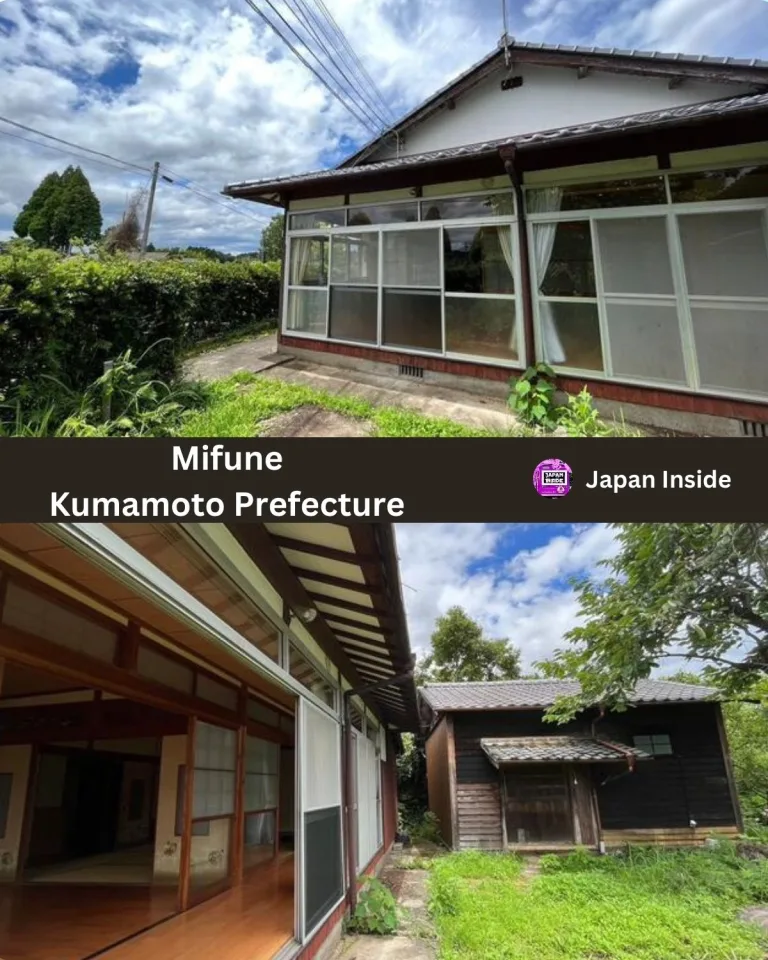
(407, 370)
(754, 428)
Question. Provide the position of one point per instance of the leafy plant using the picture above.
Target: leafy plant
(376, 910)
(532, 397)
(579, 418)
(135, 404)
(427, 829)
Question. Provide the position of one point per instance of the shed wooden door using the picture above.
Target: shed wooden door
(537, 804)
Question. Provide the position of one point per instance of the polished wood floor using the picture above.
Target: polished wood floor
(71, 922)
(250, 922)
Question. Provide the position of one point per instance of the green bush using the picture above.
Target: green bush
(425, 829)
(376, 910)
(65, 317)
(125, 401)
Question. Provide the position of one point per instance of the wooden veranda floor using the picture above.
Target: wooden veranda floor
(250, 922)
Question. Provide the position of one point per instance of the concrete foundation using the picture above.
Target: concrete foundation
(656, 419)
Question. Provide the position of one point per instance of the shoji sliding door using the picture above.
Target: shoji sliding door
(321, 814)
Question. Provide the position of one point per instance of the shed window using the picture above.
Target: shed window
(657, 744)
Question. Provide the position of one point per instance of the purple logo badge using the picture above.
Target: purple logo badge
(552, 478)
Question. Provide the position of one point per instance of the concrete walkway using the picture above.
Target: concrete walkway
(415, 939)
(259, 356)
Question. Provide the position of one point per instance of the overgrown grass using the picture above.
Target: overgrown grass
(649, 905)
(238, 406)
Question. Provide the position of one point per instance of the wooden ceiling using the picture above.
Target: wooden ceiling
(349, 574)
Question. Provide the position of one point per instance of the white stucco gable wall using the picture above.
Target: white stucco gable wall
(550, 97)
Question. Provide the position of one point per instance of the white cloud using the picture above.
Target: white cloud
(523, 599)
(219, 98)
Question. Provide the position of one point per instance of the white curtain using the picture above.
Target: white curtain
(545, 200)
(301, 250)
(505, 242)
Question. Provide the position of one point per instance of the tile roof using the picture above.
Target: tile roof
(670, 116)
(687, 63)
(501, 750)
(539, 694)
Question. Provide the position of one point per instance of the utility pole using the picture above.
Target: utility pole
(150, 205)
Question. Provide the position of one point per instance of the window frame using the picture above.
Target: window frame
(651, 747)
(508, 220)
(683, 301)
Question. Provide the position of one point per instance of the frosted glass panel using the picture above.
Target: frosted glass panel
(213, 794)
(155, 666)
(412, 258)
(645, 341)
(725, 254)
(732, 346)
(215, 747)
(321, 760)
(210, 857)
(29, 611)
(216, 692)
(260, 791)
(635, 256)
(261, 756)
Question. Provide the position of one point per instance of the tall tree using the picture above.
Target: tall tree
(272, 240)
(460, 651)
(36, 217)
(691, 591)
(61, 208)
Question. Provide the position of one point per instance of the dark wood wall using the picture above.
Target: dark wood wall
(666, 792)
(439, 778)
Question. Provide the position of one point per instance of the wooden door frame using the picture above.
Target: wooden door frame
(570, 811)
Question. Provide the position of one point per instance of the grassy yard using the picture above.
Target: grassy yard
(236, 407)
(650, 905)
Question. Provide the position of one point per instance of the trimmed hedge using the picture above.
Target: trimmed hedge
(65, 317)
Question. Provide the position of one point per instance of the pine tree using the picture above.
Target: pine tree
(34, 219)
(63, 206)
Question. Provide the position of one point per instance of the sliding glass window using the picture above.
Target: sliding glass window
(429, 276)
(307, 311)
(674, 294)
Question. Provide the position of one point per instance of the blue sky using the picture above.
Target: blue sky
(511, 578)
(208, 90)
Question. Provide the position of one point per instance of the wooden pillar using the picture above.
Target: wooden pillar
(729, 768)
(349, 800)
(529, 341)
(186, 837)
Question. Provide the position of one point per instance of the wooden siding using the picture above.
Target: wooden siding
(667, 838)
(439, 778)
(479, 816)
(665, 793)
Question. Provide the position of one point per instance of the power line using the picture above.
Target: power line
(197, 188)
(96, 153)
(66, 153)
(366, 122)
(368, 82)
(349, 63)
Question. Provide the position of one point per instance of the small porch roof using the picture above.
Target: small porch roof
(563, 749)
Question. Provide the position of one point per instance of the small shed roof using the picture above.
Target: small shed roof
(505, 750)
(540, 694)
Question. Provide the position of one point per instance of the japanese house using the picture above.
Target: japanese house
(198, 729)
(604, 211)
(500, 777)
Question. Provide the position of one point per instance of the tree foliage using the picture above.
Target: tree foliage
(460, 651)
(125, 236)
(692, 591)
(272, 240)
(61, 207)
